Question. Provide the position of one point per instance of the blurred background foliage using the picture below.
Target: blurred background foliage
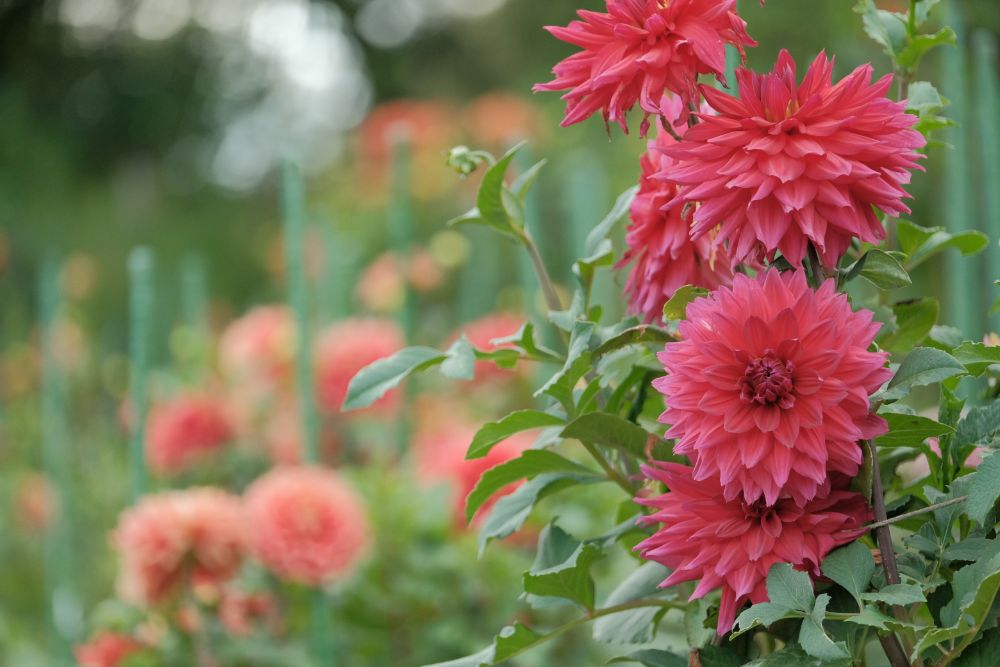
(163, 122)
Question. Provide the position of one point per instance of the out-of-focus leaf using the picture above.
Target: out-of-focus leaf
(921, 243)
(887, 28)
(460, 360)
(920, 45)
(977, 357)
(652, 657)
(603, 228)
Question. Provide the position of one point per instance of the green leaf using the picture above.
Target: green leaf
(585, 268)
(482, 659)
(718, 656)
(920, 45)
(851, 567)
(922, 98)
(882, 270)
(762, 614)
(977, 357)
(460, 360)
(373, 381)
(813, 638)
(652, 657)
(888, 29)
(910, 430)
(924, 8)
(676, 307)
(524, 339)
(578, 361)
(984, 489)
(973, 549)
(531, 463)
(490, 202)
(792, 656)
(979, 425)
(914, 320)
(512, 510)
(609, 430)
(871, 617)
(897, 594)
(523, 183)
(975, 589)
(923, 366)
(921, 243)
(790, 588)
(634, 626)
(493, 433)
(557, 573)
(604, 227)
(643, 333)
(983, 653)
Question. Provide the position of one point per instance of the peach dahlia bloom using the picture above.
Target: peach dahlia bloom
(732, 544)
(659, 243)
(257, 353)
(307, 524)
(639, 50)
(768, 388)
(172, 538)
(783, 164)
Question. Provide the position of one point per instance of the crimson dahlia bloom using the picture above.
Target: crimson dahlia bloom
(659, 239)
(768, 388)
(783, 165)
(732, 544)
(307, 524)
(638, 50)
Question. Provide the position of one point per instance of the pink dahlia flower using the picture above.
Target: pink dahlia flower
(732, 544)
(483, 331)
(257, 353)
(783, 165)
(767, 390)
(307, 524)
(346, 347)
(659, 239)
(172, 538)
(185, 430)
(108, 649)
(640, 49)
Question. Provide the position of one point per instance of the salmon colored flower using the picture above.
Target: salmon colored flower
(343, 349)
(658, 239)
(732, 544)
(641, 49)
(185, 430)
(307, 524)
(783, 165)
(108, 649)
(171, 539)
(768, 389)
(257, 354)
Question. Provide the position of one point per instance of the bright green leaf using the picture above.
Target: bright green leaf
(977, 357)
(557, 573)
(790, 588)
(910, 430)
(920, 45)
(923, 366)
(374, 380)
(851, 567)
(492, 433)
(676, 307)
(643, 333)
(882, 270)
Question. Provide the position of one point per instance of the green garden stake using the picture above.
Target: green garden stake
(957, 197)
(984, 45)
(194, 293)
(340, 268)
(293, 209)
(140, 267)
(401, 241)
(62, 601)
(480, 280)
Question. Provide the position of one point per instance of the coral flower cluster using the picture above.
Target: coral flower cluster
(343, 349)
(108, 649)
(185, 430)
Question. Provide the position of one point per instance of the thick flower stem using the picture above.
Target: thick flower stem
(890, 642)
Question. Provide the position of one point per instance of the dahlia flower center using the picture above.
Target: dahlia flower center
(768, 380)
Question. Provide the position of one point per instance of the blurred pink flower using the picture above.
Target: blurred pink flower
(641, 49)
(257, 354)
(439, 449)
(107, 649)
(768, 388)
(783, 165)
(659, 240)
(36, 503)
(241, 612)
(171, 538)
(343, 349)
(732, 544)
(185, 430)
(307, 524)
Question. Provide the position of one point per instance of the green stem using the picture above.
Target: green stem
(613, 473)
(910, 515)
(548, 289)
